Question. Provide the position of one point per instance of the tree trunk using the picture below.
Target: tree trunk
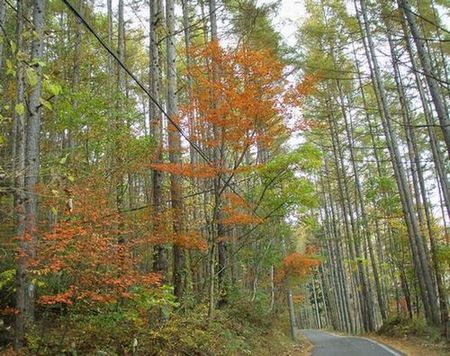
(27, 228)
(292, 322)
(179, 262)
(419, 185)
(437, 157)
(160, 263)
(416, 241)
(430, 76)
(2, 27)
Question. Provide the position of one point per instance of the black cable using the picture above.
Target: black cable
(15, 9)
(138, 82)
(424, 18)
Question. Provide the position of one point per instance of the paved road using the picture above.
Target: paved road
(326, 344)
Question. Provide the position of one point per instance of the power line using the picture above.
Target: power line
(22, 15)
(406, 8)
(138, 82)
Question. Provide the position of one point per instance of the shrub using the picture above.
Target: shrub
(400, 327)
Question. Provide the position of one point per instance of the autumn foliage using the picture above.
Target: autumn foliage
(237, 105)
(238, 212)
(238, 108)
(87, 257)
(242, 103)
(298, 265)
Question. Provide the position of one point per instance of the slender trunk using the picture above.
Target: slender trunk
(349, 224)
(174, 153)
(18, 145)
(2, 28)
(186, 8)
(27, 228)
(416, 241)
(218, 159)
(427, 68)
(419, 185)
(272, 288)
(362, 210)
(121, 46)
(118, 119)
(292, 316)
(335, 254)
(18, 169)
(76, 72)
(160, 263)
(316, 303)
(110, 34)
(437, 157)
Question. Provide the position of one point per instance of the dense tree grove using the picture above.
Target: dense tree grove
(167, 165)
(380, 122)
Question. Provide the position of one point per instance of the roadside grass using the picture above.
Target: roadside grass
(241, 327)
(412, 337)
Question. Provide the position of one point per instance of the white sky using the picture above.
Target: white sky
(291, 14)
(286, 22)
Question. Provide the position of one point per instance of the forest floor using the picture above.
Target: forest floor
(278, 342)
(412, 345)
(303, 347)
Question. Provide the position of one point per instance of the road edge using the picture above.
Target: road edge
(389, 348)
(386, 347)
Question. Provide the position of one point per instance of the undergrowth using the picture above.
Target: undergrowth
(417, 327)
(239, 328)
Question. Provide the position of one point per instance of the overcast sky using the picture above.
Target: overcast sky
(286, 22)
(291, 13)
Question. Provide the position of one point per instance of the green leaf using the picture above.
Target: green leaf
(31, 76)
(21, 56)
(64, 159)
(10, 68)
(71, 178)
(20, 108)
(46, 103)
(7, 278)
(54, 89)
(37, 62)
(13, 46)
(26, 35)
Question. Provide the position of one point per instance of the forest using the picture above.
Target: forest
(187, 177)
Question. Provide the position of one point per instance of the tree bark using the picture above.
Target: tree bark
(27, 228)
(292, 316)
(430, 76)
(179, 268)
(2, 28)
(416, 241)
(160, 262)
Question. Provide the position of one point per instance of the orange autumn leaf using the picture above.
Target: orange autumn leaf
(60, 298)
(299, 265)
(241, 219)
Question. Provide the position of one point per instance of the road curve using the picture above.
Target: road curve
(327, 344)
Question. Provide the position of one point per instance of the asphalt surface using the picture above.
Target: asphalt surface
(327, 344)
